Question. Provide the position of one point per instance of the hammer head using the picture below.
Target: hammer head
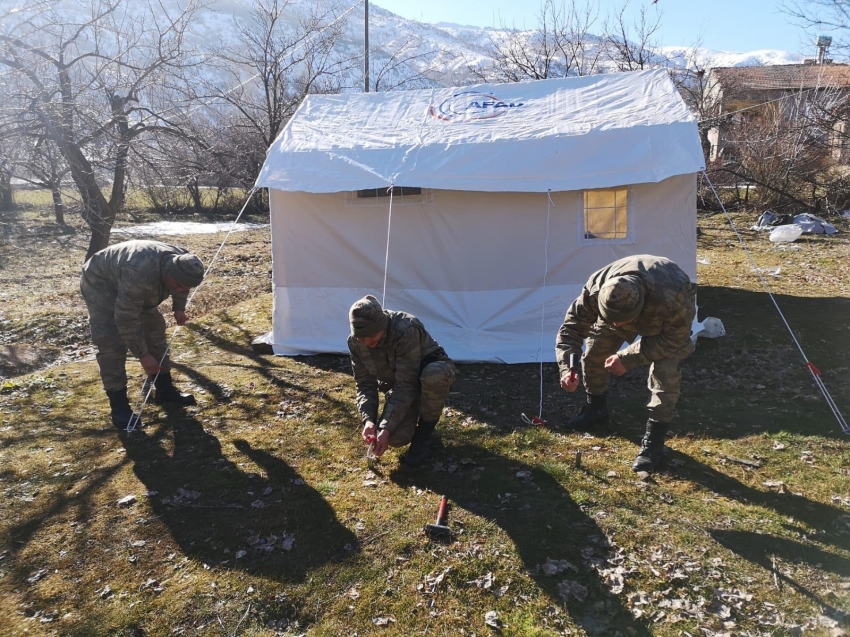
(438, 531)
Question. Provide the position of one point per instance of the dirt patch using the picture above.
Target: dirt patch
(14, 358)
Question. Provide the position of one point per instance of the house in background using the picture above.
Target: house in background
(488, 205)
(817, 89)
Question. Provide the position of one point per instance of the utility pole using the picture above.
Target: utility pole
(366, 48)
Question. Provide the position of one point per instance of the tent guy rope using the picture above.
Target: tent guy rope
(815, 372)
(387, 254)
(549, 205)
(149, 385)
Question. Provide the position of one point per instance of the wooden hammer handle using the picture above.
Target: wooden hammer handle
(441, 513)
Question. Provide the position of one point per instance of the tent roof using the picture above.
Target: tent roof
(563, 134)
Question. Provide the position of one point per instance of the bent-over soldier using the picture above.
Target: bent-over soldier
(122, 286)
(644, 296)
(392, 353)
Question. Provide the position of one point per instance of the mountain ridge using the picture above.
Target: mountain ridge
(444, 54)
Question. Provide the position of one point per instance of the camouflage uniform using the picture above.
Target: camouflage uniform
(664, 325)
(411, 368)
(122, 286)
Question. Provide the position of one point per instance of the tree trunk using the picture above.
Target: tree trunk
(58, 206)
(7, 196)
(99, 239)
(98, 213)
(705, 142)
(194, 188)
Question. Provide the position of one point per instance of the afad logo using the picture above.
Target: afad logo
(470, 105)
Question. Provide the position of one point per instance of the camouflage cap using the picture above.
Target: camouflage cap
(187, 269)
(621, 299)
(367, 317)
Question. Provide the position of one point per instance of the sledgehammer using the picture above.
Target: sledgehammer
(440, 530)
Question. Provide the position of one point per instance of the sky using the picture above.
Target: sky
(724, 25)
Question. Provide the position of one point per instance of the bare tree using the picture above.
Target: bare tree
(7, 195)
(42, 165)
(822, 17)
(9, 132)
(177, 173)
(560, 46)
(581, 50)
(404, 63)
(778, 148)
(283, 52)
(99, 76)
(632, 44)
(702, 91)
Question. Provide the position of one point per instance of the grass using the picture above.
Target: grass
(137, 205)
(255, 513)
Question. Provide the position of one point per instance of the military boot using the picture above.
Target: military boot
(166, 392)
(594, 413)
(122, 415)
(420, 446)
(652, 447)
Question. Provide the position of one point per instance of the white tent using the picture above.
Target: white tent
(495, 188)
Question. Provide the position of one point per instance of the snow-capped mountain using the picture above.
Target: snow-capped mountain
(403, 53)
(708, 58)
(441, 54)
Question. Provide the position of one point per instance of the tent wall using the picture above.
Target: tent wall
(469, 264)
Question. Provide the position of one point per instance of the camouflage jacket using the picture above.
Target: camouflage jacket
(393, 366)
(664, 324)
(129, 278)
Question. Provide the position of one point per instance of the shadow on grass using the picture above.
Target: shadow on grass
(802, 515)
(214, 509)
(543, 521)
(21, 534)
(822, 517)
(755, 379)
(258, 363)
(752, 381)
(763, 549)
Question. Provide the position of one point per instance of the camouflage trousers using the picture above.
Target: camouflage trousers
(435, 381)
(665, 377)
(111, 349)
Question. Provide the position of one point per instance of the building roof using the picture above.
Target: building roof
(595, 131)
(784, 76)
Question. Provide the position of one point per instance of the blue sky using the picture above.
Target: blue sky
(726, 25)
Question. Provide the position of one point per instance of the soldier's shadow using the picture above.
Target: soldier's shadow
(801, 514)
(217, 513)
(543, 521)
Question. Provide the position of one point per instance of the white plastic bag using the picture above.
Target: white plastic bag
(785, 234)
(711, 327)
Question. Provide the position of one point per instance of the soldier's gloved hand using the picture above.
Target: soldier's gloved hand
(370, 431)
(613, 365)
(180, 317)
(382, 442)
(150, 365)
(569, 381)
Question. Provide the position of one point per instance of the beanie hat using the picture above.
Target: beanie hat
(367, 317)
(621, 298)
(187, 269)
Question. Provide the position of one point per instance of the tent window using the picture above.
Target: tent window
(398, 191)
(606, 213)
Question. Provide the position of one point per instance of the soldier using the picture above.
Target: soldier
(391, 352)
(640, 295)
(122, 286)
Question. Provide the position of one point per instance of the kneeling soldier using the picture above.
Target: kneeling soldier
(644, 296)
(391, 352)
